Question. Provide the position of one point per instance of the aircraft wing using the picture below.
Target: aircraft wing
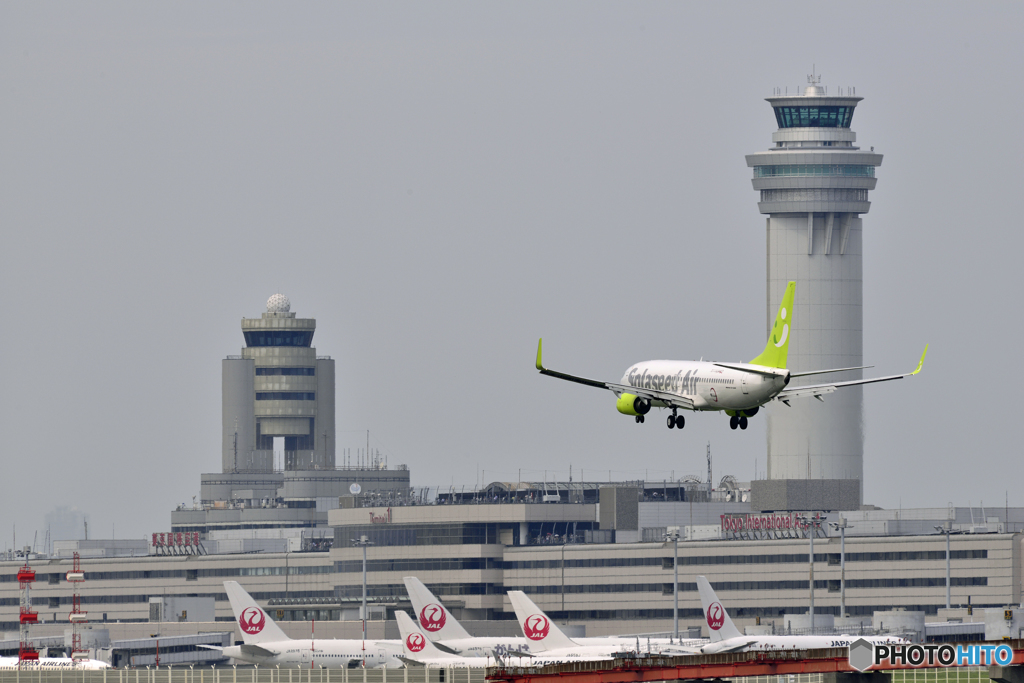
(819, 390)
(735, 647)
(666, 397)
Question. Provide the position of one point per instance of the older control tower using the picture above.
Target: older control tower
(813, 186)
(278, 387)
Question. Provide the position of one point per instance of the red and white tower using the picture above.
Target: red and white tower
(26, 575)
(76, 576)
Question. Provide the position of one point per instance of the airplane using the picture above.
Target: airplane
(417, 649)
(265, 643)
(725, 637)
(549, 641)
(738, 389)
(52, 664)
(438, 624)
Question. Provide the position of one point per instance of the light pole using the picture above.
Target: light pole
(673, 535)
(813, 524)
(363, 541)
(842, 526)
(946, 528)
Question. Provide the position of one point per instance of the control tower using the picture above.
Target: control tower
(813, 186)
(278, 387)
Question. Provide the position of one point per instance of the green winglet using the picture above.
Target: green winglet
(920, 363)
(540, 366)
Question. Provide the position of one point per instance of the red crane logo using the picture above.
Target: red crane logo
(415, 642)
(252, 620)
(716, 616)
(432, 617)
(536, 627)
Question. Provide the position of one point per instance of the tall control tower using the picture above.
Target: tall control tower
(813, 186)
(278, 388)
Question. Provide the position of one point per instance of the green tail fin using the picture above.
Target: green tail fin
(777, 348)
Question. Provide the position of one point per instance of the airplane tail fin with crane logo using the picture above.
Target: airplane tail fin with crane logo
(542, 633)
(720, 626)
(436, 622)
(777, 349)
(415, 643)
(254, 623)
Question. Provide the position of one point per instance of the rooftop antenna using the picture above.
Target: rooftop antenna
(709, 471)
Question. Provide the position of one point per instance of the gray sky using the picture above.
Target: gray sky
(441, 184)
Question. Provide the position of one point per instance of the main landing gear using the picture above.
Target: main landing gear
(639, 419)
(735, 422)
(677, 421)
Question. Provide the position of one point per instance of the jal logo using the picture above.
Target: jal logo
(415, 642)
(536, 627)
(716, 616)
(432, 617)
(252, 620)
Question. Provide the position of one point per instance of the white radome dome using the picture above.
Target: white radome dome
(278, 304)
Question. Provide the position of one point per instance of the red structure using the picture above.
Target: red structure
(692, 667)
(75, 577)
(26, 653)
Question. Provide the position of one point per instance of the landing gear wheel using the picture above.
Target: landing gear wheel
(680, 421)
(636, 419)
(734, 422)
(743, 423)
(671, 421)
(641, 419)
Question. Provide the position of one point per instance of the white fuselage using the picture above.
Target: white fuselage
(709, 386)
(329, 654)
(487, 646)
(793, 642)
(52, 664)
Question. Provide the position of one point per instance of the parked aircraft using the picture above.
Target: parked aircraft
(52, 664)
(737, 389)
(725, 637)
(265, 643)
(547, 640)
(438, 624)
(417, 649)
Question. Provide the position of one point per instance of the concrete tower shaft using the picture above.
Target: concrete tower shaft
(278, 388)
(813, 186)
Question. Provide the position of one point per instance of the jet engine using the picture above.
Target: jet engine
(631, 404)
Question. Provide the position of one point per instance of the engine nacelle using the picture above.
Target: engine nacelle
(631, 404)
(749, 412)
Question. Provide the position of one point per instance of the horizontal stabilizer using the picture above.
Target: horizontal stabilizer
(251, 650)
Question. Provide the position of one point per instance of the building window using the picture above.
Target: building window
(805, 116)
(309, 372)
(285, 396)
(855, 170)
(278, 338)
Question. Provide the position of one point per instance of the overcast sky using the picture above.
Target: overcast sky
(440, 184)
